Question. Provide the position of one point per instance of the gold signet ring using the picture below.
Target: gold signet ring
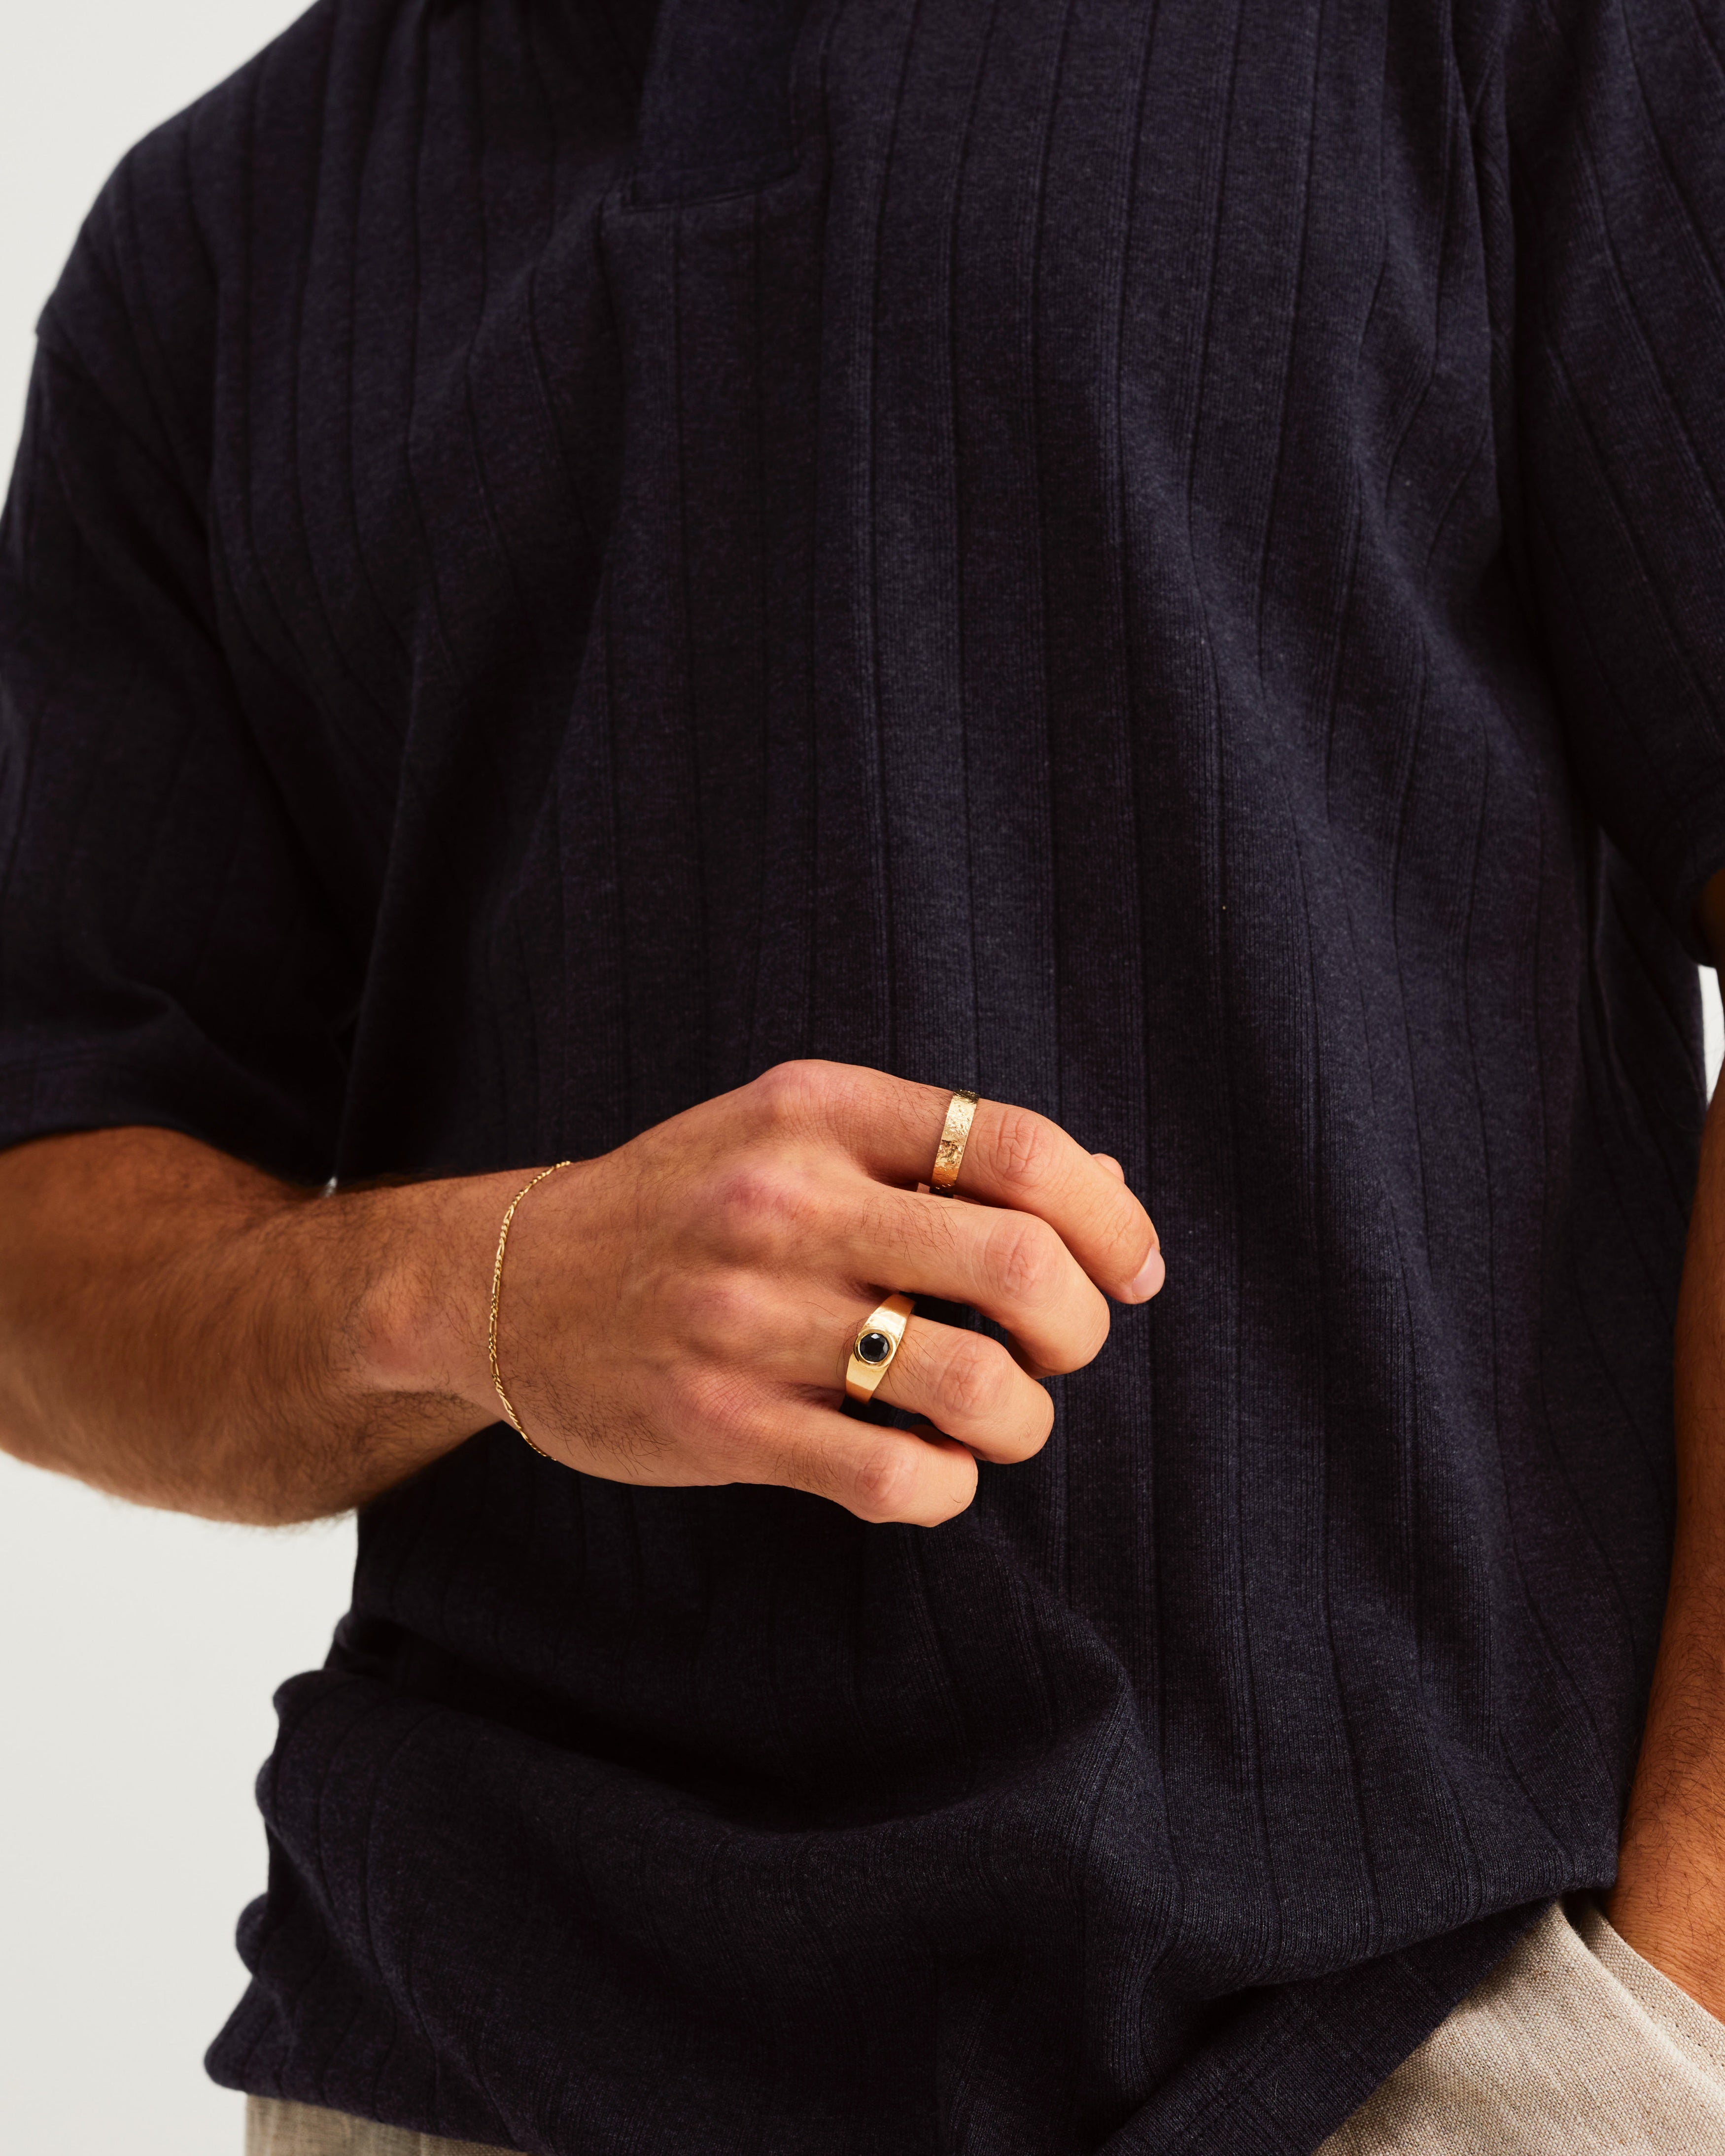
(955, 1136)
(876, 1343)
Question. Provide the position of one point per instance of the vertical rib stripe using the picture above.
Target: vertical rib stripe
(1160, 559)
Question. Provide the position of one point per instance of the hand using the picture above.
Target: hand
(681, 1311)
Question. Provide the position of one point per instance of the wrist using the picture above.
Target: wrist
(421, 1318)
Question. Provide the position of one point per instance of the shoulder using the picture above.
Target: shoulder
(365, 126)
(190, 208)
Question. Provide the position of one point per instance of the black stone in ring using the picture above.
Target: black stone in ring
(873, 1348)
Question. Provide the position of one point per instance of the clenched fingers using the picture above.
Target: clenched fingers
(1014, 1158)
(1018, 1159)
(970, 1388)
(1012, 1266)
(916, 1477)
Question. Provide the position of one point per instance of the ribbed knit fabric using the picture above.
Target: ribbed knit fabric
(1164, 561)
(1573, 2045)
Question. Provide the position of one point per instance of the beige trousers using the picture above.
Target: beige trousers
(274, 2128)
(1572, 2046)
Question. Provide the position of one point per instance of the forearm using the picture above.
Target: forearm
(1670, 1900)
(185, 1332)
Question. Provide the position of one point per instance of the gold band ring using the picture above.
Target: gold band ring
(876, 1343)
(955, 1135)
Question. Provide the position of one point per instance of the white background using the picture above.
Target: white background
(138, 1652)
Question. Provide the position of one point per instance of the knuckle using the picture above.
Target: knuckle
(760, 1204)
(974, 1381)
(883, 1483)
(791, 1095)
(723, 1312)
(1027, 1259)
(1024, 1150)
(713, 1408)
(1084, 1339)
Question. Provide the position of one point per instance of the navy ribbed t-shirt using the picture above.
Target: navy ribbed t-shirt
(1162, 558)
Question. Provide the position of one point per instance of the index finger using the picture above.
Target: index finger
(1014, 1157)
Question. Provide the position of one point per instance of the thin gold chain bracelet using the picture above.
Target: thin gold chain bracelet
(515, 1420)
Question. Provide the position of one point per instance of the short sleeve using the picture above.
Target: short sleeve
(1615, 129)
(164, 959)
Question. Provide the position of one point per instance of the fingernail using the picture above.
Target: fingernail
(1149, 1277)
